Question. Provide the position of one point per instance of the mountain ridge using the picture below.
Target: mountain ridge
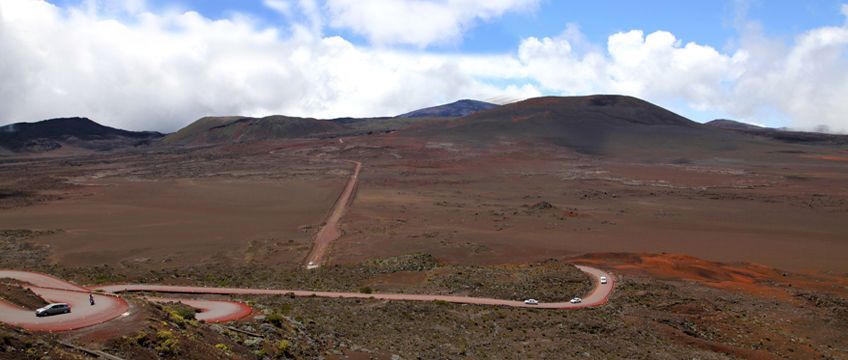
(51, 134)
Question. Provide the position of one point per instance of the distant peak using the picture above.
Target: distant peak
(457, 108)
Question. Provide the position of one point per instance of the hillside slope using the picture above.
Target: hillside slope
(219, 130)
(197, 128)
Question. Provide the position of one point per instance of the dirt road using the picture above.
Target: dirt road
(330, 231)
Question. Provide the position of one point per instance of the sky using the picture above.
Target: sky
(161, 64)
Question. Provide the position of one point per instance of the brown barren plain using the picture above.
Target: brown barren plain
(738, 254)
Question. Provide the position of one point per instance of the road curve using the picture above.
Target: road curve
(211, 311)
(330, 231)
(106, 306)
(598, 296)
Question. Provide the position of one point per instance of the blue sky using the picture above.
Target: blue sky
(777, 63)
(710, 22)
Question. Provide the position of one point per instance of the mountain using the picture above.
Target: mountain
(234, 129)
(455, 109)
(597, 124)
(75, 132)
(788, 136)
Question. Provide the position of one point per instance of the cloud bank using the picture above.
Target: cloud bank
(400, 22)
(135, 68)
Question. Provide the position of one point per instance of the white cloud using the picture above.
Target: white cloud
(160, 70)
(281, 6)
(417, 22)
(655, 66)
(806, 81)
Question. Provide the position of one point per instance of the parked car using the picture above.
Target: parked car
(603, 279)
(53, 309)
(531, 302)
(576, 300)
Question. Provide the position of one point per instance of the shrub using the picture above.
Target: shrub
(168, 342)
(142, 339)
(186, 312)
(283, 346)
(275, 318)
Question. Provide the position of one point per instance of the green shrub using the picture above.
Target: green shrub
(276, 319)
(283, 346)
(168, 342)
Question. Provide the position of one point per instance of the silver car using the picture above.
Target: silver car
(53, 309)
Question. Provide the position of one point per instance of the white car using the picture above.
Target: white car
(53, 309)
(603, 279)
(576, 300)
(531, 302)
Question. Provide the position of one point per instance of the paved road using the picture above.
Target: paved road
(106, 307)
(598, 296)
(212, 311)
(109, 305)
(330, 231)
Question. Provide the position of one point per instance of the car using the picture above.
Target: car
(531, 302)
(576, 300)
(603, 279)
(53, 309)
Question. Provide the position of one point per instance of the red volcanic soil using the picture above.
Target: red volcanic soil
(830, 157)
(754, 279)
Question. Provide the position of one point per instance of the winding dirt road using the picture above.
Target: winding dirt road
(330, 231)
(109, 305)
(598, 295)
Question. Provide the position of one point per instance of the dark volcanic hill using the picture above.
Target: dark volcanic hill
(233, 129)
(455, 109)
(76, 132)
(788, 136)
(598, 124)
(733, 125)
